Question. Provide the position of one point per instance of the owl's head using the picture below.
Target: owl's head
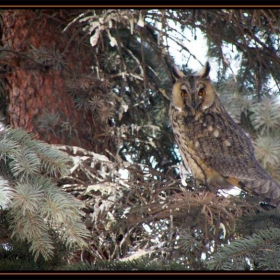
(193, 92)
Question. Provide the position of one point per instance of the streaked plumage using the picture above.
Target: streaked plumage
(211, 144)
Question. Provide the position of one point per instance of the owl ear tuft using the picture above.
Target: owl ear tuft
(204, 73)
(177, 73)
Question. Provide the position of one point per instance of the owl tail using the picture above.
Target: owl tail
(268, 190)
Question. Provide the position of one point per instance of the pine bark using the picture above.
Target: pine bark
(36, 91)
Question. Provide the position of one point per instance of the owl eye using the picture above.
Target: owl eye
(201, 92)
(184, 93)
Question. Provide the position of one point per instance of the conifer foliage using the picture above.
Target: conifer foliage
(90, 175)
(33, 202)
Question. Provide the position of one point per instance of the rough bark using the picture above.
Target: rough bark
(37, 95)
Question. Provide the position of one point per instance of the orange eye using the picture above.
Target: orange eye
(184, 93)
(201, 92)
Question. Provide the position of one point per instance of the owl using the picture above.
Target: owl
(212, 146)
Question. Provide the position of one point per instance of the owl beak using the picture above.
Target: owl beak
(195, 105)
(196, 101)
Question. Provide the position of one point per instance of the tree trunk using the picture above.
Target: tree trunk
(36, 71)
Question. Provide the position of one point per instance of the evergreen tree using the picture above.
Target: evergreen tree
(90, 172)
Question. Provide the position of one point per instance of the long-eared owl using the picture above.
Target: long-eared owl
(211, 144)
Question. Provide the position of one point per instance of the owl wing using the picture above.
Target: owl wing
(230, 153)
(226, 149)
